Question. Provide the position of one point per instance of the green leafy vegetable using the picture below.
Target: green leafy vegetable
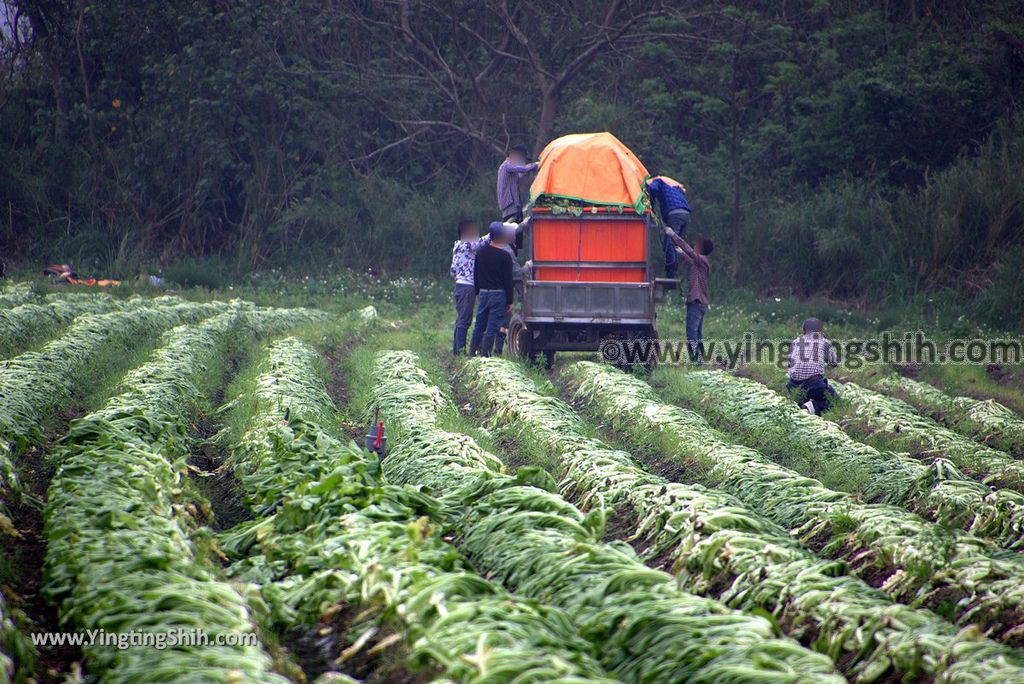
(644, 627)
(986, 420)
(119, 555)
(338, 536)
(938, 490)
(715, 542)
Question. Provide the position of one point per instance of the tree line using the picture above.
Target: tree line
(831, 147)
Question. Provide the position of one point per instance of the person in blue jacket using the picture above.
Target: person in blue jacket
(668, 198)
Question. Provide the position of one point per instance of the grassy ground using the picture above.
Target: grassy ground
(417, 315)
(421, 307)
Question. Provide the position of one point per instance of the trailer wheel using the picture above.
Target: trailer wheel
(520, 339)
(633, 345)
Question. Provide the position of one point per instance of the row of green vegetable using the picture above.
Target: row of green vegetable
(518, 528)
(987, 421)
(15, 294)
(714, 542)
(29, 322)
(117, 520)
(899, 424)
(910, 559)
(767, 420)
(338, 551)
(35, 385)
(33, 322)
(17, 654)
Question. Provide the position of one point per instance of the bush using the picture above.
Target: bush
(849, 239)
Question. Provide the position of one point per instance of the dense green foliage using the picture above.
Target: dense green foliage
(893, 422)
(119, 551)
(830, 146)
(890, 547)
(987, 421)
(768, 420)
(645, 628)
(707, 552)
(335, 535)
(714, 544)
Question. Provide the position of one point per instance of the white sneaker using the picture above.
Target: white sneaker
(808, 406)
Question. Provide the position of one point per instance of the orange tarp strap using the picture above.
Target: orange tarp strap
(595, 168)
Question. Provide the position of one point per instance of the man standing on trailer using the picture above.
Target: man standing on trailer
(510, 173)
(668, 197)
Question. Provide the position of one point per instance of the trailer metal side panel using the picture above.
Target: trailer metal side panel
(590, 273)
(588, 302)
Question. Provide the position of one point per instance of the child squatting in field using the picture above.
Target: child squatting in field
(808, 355)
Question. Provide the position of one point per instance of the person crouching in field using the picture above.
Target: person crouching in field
(697, 302)
(808, 356)
(493, 278)
(464, 253)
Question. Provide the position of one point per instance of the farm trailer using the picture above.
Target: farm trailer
(592, 280)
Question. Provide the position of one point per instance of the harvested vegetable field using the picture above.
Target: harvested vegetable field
(188, 496)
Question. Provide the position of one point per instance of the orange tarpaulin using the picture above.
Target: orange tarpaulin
(595, 168)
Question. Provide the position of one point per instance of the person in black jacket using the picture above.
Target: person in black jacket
(493, 279)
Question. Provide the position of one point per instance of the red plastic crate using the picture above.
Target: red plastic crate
(589, 241)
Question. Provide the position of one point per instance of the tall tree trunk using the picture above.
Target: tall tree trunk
(548, 112)
(47, 44)
(736, 198)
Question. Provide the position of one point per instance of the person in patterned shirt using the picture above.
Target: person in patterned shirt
(463, 262)
(808, 355)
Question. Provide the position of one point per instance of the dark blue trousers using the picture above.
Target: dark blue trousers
(677, 221)
(695, 330)
(465, 297)
(816, 389)
(490, 314)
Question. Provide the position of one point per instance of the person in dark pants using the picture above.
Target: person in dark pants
(513, 232)
(512, 170)
(697, 303)
(493, 280)
(668, 196)
(808, 355)
(464, 253)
